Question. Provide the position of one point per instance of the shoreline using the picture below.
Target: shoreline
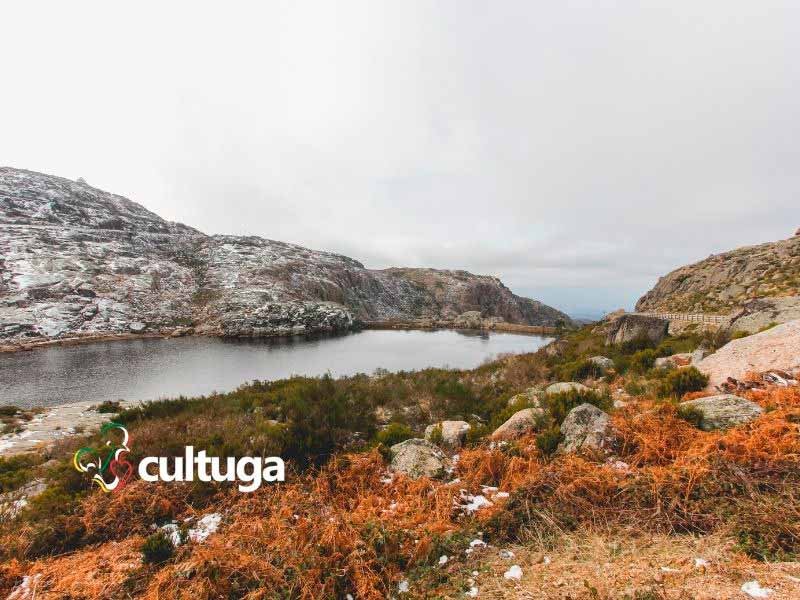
(423, 325)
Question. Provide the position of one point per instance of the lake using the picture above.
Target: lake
(148, 369)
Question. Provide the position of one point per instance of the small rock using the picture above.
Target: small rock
(418, 458)
(520, 423)
(137, 327)
(603, 362)
(454, 433)
(724, 411)
(403, 587)
(514, 573)
(754, 590)
(586, 428)
(565, 386)
(443, 560)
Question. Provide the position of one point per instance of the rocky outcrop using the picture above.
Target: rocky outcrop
(79, 262)
(757, 315)
(627, 328)
(586, 428)
(723, 282)
(418, 458)
(520, 423)
(775, 349)
(723, 411)
(453, 433)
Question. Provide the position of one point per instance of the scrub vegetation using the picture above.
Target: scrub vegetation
(342, 525)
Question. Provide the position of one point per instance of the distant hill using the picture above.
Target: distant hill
(75, 260)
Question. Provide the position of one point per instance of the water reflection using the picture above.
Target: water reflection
(154, 368)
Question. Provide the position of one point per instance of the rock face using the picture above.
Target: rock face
(761, 313)
(775, 349)
(520, 423)
(78, 261)
(586, 428)
(628, 328)
(418, 458)
(723, 282)
(724, 411)
(454, 433)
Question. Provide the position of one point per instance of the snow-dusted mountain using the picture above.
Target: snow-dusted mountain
(75, 260)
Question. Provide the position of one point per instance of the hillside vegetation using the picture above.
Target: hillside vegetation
(723, 282)
(343, 523)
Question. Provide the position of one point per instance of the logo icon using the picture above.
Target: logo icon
(114, 464)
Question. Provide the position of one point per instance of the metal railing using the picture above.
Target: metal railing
(690, 317)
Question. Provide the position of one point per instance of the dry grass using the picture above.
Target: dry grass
(344, 529)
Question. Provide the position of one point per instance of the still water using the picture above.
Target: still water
(155, 368)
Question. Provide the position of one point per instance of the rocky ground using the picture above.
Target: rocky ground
(79, 262)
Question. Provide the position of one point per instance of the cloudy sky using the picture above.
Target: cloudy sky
(577, 150)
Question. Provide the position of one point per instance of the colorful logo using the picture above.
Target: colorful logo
(89, 460)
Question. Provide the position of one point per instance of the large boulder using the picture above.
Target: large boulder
(628, 328)
(775, 349)
(724, 411)
(520, 423)
(454, 433)
(586, 428)
(418, 458)
(565, 386)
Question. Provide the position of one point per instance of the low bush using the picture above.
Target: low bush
(691, 414)
(558, 406)
(394, 433)
(643, 360)
(108, 406)
(157, 549)
(682, 381)
(579, 370)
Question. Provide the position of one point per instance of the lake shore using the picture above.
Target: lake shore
(167, 333)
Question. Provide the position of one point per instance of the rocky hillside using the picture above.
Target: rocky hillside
(724, 283)
(75, 260)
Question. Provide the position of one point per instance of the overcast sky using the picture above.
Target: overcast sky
(577, 150)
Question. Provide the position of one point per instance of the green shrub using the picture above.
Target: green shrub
(691, 414)
(16, 471)
(559, 405)
(578, 370)
(635, 345)
(547, 441)
(394, 433)
(108, 406)
(634, 388)
(157, 549)
(681, 381)
(643, 360)
(9, 410)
